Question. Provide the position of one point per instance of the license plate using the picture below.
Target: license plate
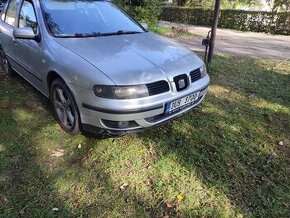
(182, 102)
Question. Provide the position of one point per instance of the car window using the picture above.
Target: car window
(73, 17)
(11, 12)
(27, 16)
(3, 15)
(3, 12)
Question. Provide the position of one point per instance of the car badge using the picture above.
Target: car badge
(181, 84)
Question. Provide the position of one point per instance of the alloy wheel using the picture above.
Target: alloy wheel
(63, 108)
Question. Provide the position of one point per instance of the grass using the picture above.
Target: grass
(173, 32)
(220, 160)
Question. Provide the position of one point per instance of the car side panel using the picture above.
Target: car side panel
(7, 40)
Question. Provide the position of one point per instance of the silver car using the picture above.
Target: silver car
(102, 70)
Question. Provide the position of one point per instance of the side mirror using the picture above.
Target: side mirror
(144, 25)
(24, 33)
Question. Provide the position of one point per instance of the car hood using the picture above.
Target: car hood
(134, 59)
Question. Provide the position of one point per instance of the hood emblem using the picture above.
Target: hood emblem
(181, 84)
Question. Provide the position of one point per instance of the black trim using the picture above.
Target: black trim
(204, 88)
(179, 78)
(157, 87)
(24, 68)
(105, 133)
(114, 124)
(94, 108)
(195, 75)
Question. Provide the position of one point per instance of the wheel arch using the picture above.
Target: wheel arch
(51, 76)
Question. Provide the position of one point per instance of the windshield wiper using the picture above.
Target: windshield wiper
(85, 35)
(120, 32)
(98, 34)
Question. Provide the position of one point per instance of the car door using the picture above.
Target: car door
(8, 20)
(28, 52)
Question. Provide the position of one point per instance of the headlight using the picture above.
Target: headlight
(203, 70)
(121, 92)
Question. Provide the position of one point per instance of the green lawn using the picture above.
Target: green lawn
(220, 160)
(173, 32)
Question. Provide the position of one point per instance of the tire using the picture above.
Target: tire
(6, 65)
(65, 107)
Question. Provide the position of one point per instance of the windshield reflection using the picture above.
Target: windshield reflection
(67, 18)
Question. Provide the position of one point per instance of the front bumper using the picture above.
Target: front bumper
(144, 113)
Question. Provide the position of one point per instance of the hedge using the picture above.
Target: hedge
(255, 21)
(146, 11)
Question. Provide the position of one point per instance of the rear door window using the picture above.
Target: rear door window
(11, 12)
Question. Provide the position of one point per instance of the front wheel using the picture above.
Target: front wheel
(65, 107)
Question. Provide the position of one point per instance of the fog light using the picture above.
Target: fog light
(119, 124)
(123, 124)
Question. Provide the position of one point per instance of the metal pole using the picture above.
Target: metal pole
(214, 28)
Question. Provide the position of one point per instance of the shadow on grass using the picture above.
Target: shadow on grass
(254, 78)
(232, 141)
(223, 157)
(35, 179)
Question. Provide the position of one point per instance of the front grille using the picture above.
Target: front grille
(195, 75)
(158, 87)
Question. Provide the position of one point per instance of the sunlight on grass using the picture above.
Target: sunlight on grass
(173, 32)
(224, 159)
(124, 162)
(275, 107)
(22, 115)
(179, 179)
(221, 92)
(2, 148)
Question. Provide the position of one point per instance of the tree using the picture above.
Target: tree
(281, 5)
(277, 5)
(143, 10)
(224, 3)
(181, 2)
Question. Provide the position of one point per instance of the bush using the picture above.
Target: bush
(146, 11)
(256, 21)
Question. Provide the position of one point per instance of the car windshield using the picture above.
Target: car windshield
(87, 18)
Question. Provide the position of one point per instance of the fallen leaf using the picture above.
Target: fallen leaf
(268, 118)
(122, 187)
(55, 209)
(58, 153)
(179, 198)
(168, 205)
